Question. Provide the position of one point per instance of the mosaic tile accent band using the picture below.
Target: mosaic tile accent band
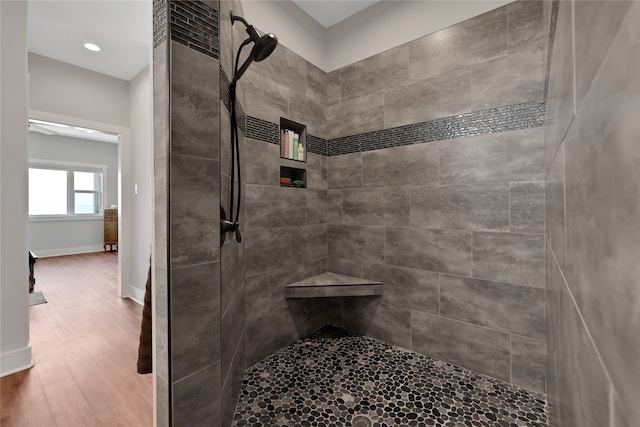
(262, 130)
(336, 378)
(195, 24)
(494, 120)
(316, 145)
(159, 22)
(224, 89)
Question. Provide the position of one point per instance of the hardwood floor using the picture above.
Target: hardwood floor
(84, 343)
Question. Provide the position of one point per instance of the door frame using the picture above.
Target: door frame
(124, 189)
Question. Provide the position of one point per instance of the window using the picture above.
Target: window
(65, 189)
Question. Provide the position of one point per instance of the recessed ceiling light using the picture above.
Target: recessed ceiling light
(92, 47)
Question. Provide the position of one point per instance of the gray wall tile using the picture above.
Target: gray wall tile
(196, 399)
(433, 250)
(554, 283)
(162, 402)
(225, 140)
(376, 73)
(194, 211)
(232, 271)
(256, 166)
(376, 206)
(334, 94)
(528, 363)
(526, 207)
(555, 207)
(560, 95)
(515, 78)
(511, 308)
(407, 288)
(273, 160)
(583, 387)
(621, 419)
(357, 115)
(346, 267)
(503, 157)
(257, 297)
(467, 207)
(266, 250)
(276, 331)
(195, 310)
(345, 171)
(435, 97)
(195, 103)
(323, 311)
(160, 101)
(475, 40)
(232, 321)
(482, 350)
(161, 207)
(334, 207)
(368, 316)
(315, 206)
(408, 165)
(525, 25)
(162, 323)
(309, 242)
(265, 98)
(596, 24)
(233, 383)
(601, 183)
(357, 243)
(509, 257)
(316, 171)
(269, 206)
(317, 83)
(308, 111)
(226, 38)
(284, 67)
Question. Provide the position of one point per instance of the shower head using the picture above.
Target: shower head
(263, 46)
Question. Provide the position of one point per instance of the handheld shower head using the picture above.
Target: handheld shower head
(263, 46)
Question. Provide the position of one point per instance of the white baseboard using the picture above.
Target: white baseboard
(133, 293)
(15, 361)
(45, 253)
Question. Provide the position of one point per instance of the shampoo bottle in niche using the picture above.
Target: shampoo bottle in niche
(290, 146)
(296, 139)
(301, 152)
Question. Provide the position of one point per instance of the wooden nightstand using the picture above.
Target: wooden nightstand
(111, 229)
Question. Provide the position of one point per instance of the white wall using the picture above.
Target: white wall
(383, 26)
(141, 125)
(65, 89)
(64, 237)
(15, 350)
(69, 94)
(293, 27)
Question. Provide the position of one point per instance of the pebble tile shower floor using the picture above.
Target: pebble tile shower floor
(336, 378)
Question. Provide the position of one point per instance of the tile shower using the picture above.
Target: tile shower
(427, 167)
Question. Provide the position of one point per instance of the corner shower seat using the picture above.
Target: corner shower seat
(333, 285)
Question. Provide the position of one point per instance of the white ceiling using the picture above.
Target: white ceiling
(329, 12)
(122, 28)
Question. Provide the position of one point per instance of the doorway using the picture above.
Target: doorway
(73, 145)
